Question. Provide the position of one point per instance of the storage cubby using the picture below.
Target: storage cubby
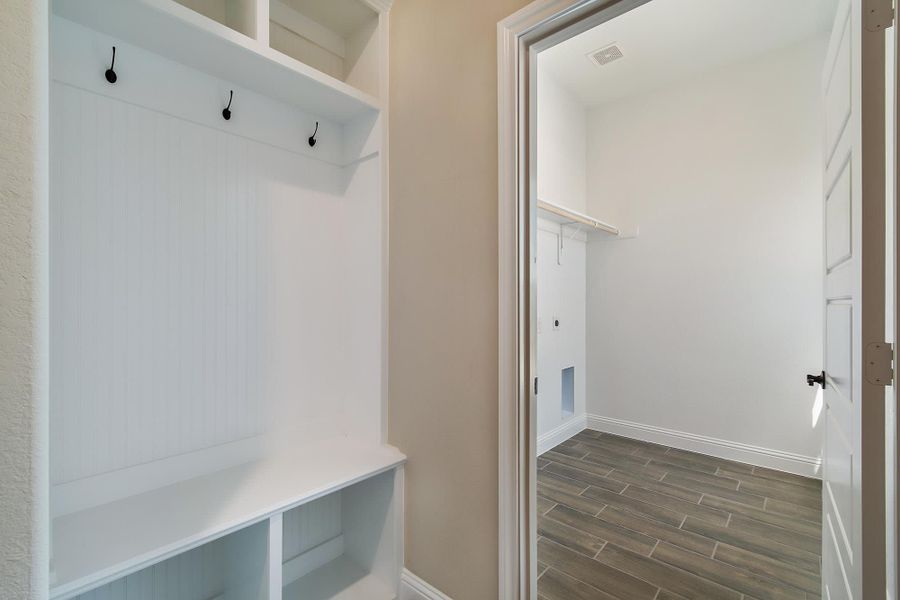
(338, 37)
(239, 15)
(341, 545)
(234, 567)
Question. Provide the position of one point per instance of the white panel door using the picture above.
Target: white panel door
(853, 453)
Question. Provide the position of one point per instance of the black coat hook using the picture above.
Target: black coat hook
(110, 72)
(312, 138)
(226, 114)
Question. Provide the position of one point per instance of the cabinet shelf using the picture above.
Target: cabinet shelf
(103, 543)
(565, 216)
(169, 29)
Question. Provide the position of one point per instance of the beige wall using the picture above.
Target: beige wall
(23, 203)
(443, 285)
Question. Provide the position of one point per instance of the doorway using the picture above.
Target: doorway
(675, 263)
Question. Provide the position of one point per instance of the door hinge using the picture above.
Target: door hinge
(879, 14)
(880, 363)
(535, 386)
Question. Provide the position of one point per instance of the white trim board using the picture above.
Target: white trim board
(561, 433)
(798, 464)
(413, 587)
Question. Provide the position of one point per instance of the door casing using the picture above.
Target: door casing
(520, 37)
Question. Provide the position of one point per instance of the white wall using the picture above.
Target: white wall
(709, 320)
(561, 144)
(560, 295)
(561, 179)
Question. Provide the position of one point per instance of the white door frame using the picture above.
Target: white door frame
(539, 25)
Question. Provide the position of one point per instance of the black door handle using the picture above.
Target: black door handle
(812, 380)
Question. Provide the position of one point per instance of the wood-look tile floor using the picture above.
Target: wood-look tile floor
(624, 519)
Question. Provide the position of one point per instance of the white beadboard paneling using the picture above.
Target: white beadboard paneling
(155, 248)
(205, 287)
(307, 526)
(80, 494)
(230, 567)
(194, 575)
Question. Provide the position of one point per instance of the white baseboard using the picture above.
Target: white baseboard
(559, 434)
(413, 587)
(798, 464)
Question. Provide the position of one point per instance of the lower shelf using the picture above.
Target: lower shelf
(105, 543)
(341, 579)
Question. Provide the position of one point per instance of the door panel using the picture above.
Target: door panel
(832, 565)
(837, 86)
(838, 501)
(839, 361)
(853, 451)
(838, 221)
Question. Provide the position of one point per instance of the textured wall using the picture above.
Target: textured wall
(23, 203)
(443, 286)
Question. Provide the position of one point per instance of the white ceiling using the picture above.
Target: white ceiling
(667, 40)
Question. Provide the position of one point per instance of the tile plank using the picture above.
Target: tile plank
(681, 492)
(594, 573)
(789, 509)
(771, 488)
(763, 546)
(554, 585)
(559, 483)
(679, 506)
(811, 544)
(767, 567)
(570, 537)
(703, 488)
(604, 530)
(635, 506)
(712, 480)
(543, 505)
(661, 574)
(585, 505)
(577, 452)
(810, 482)
(585, 477)
(562, 459)
(615, 461)
(661, 531)
(791, 524)
(733, 578)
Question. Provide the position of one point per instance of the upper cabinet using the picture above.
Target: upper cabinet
(324, 57)
(239, 15)
(339, 38)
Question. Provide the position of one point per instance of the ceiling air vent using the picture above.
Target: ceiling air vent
(606, 55)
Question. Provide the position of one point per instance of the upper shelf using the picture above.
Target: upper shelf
(169, 29)
(566, 216)
(103, 543)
